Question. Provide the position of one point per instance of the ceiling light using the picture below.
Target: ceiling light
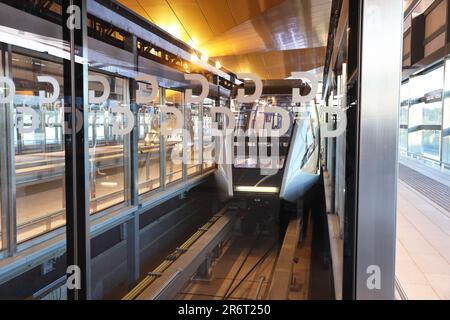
(257, 189)
(194, 58)
(191, 42)
(218, 65)
(175, 31)
(109, 184)
(204, 57)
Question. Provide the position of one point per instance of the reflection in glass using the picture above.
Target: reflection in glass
(208, 142)
(431, 141)
(39, 152)
(2, 234)
(194, 146)
(149, 147)
(446, 118)
(174, 140)
(403, 139)
(106, 148)
(404, 116)
(255, 119)
(425, 114)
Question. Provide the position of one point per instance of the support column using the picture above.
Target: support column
(380, 63)
(133, 248)
(76, 146)
(162, 142)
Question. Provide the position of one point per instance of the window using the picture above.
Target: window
(424, 114)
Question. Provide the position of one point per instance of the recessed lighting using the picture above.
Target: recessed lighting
(109, 184)
(257, 189)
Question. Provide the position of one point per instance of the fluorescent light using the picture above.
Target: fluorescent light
(109, 184)
(218, 65)
(257, 189)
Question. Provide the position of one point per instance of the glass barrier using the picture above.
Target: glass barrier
(39, 146)
(2, 213)
(174, 140)
(208, 142)
(404, 114)
(255, 118)
(149, 146)
(446, 118)
(36, 128)
(106, 147)
(421, 133)
(194, 131)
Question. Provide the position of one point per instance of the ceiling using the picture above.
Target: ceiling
(269, 37)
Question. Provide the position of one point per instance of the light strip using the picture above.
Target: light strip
(54, 47)
(109, 184)
(257, 189)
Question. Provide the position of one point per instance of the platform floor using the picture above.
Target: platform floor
(423, 232)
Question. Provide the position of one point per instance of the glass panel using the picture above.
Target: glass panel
(446, 118)
(416, 115)
(432, 113)
(149, 147)
(424, 115)
(174, 141)
(403, 139)
(106, 149)
(39, 148)
(416, 88)
(431, 141)
(208, 143)
(415, 142)
(255, 118)
(404, 116)
(2, 93)
(193, 129)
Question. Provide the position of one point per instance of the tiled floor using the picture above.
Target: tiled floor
(423, 246)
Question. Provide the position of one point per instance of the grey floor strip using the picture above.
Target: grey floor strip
(430, 188)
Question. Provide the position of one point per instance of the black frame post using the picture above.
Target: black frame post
(133, 248)
(76, 146)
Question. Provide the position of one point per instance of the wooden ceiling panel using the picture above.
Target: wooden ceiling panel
(192, 19)
(294, 24)
(248, 9)
(160, 13)
(276, 64)
(269, 37)
(218, 15)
